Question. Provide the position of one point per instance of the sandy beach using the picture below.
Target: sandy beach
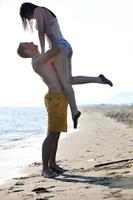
(99, 140)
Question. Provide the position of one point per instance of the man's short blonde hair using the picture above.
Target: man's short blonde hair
(21, 51)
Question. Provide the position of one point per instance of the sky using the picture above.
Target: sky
(101, 34)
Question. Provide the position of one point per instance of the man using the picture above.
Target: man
(55, 101)
(56, 104)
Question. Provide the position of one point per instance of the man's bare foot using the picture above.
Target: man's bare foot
(48, 174)
(75, 119)
(105, 80)
(57, 169)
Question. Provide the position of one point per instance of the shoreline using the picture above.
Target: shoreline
(21, 156)
(99, 140)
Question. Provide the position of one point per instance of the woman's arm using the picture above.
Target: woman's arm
(41, 36)
(39, 16)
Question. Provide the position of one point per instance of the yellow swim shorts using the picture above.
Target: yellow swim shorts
(56, 105)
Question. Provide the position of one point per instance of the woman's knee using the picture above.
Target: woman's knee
(68, 83)
(71, 80)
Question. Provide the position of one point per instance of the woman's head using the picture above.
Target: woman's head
(27, 13)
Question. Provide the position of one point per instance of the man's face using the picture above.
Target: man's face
(29, 47)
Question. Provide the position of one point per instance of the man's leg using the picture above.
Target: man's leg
(52, 159)
(47, 147)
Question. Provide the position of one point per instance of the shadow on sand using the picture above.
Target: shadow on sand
(114, 182)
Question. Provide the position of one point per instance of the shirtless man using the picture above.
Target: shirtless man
(56, 104)
(55, 101)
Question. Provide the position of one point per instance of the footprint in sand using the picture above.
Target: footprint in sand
(113, 194)
(45, 198)
(88, 151)
(111, 173)
(19, 190)
(97, 144)
(2, 189)
(42, 189)
(19, 183)
(126, 172)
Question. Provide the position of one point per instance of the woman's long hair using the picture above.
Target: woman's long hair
(27, 11)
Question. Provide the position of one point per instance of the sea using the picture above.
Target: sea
(22, 131)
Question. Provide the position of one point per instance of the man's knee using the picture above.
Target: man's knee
(53, 135)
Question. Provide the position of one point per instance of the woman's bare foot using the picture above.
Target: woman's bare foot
(105, 80)
(75, 119)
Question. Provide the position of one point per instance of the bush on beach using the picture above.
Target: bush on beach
(123, 113)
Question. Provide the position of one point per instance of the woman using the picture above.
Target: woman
(60, 50)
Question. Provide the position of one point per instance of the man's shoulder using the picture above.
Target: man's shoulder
(35, 62)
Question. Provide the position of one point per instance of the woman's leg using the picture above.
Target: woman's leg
(101, 79)
(80, 79)
(74, 80)
(62, 69)
(49, 55)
